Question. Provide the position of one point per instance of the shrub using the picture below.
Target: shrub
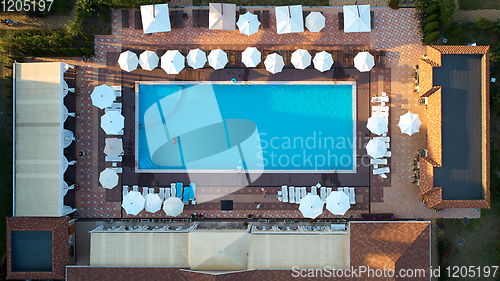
(62, 6)
(431, 37)
(495, 53)
(84, 9)
(394, 4)
(483, 24)
(67, 51)
(104, 18)
(87, 51)
(431, 17)
(456, 32)
(491, 31)
(103, 8)
(431, 26)
(446, 11)
(431, 8)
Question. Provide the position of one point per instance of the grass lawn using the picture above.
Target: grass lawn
(267, 2)
(478, 4)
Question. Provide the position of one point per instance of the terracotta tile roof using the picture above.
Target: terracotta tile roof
(430, 92)
(425, 75)
(457, 49)
(60, 238)
(435, 197)
(434, 129)
(426, 181)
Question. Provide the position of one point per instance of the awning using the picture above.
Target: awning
(112, 122)
(377, 124)
(409, 123)
(364, 61)
(103, 96)
(108, 178)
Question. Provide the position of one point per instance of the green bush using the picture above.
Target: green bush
(431, 8)
(495, 53)
(84, 9)
(394, 4)
(431, 17)
(456, 32)
(491, 31)
(87, 51)
(88, 44)
(483, 24)
(431, 37)
(446, 11)
(67, 52)
(104, 18)
(103, 8)
(431, 26)
(62, 6)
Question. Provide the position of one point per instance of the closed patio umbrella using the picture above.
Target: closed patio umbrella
(377, 124)
(112, 122)
(251, 57)
(301, 59)
(153, 203)
(173, 206)
(323, 61)
(196, 58)
(172, 62)
(364, 61)
(338, 203)
(133, 203)
(148, 60)
(155, 18)
(376, 148)
(248, 23)
(357, 18)
(221, 16)
(103, 96)
(274, 63)
(217, 59)
(311, 206)
(289, 19)
(409, 123)
(108, 178)
(128, 61)
(68, 137)
(315, 21)
(114, 147)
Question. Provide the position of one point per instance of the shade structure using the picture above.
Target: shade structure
(311, 206)
(108, 178)
(114, 147)
(196, 58)
(376, 148)
(217, 59)
(251, 57)
(323, 61)
(377, 124)
(133, 203)
(211, 250)
(148, 60)
(364, 61)
(173, 206)
(112, 122)
(315, 21)
(155, 18)
(301, 59)
(357, 18)
(248, 23)
(103, 96)
(221, 16)
(128, 61)
(153, 203)
(409, 123)
(67, 137)
(274, 63)
(338, 203)
(172, 62)
(289, 19)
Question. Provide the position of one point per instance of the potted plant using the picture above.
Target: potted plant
(250, 216)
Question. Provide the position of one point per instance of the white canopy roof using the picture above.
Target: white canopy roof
(157, 20)
(357, 18)
(315, 21)
(196, 58)
(148, 60)
(364, 61)
(248, 23)
(251, 57)
(289, 19)
(409, 123)
(173, 62)
(222, 16)
(323, 61)
(301, 59)
(128, 61)
(217, 59)
(274, 63)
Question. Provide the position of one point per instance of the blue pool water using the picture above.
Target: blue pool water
(260, 126)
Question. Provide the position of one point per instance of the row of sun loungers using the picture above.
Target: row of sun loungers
(294, 194)
(166, 192)
(185, 192)
(381, 110)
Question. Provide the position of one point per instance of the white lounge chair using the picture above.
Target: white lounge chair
(378, 161)
(381, 171)
(292, 194)
(173, 189)
(117, 90)
(113, 159)
(384, 176)
(328, 191)
(166, 195)
(116, 106)
(145, 191)
(284, 193)
(346, 191)
(162, 194)
(151, 191)
(340, 189)
(304, 192)
(298, 195)
(135, 188)
(383, 114)
(322, 192)
(377, 108)
(125, 190)
(382, 99)
(314, 190)
(387, 154)
(352, 195)
(117, 170)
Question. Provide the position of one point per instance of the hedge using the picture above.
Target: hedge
(431, 26)
(431, 17)
(456, 31)
(483, 23)
(431, 8)
(431, 37)
(491, 31)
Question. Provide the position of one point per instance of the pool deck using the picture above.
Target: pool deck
(395, 31)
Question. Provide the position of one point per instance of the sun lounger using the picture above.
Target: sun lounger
(179, 189)
(383, 114)
(145, 191)
(135, 188)
(265, 19)
(323, 193)
(346, 191)
(284, 193)
(116, 106)
(138, 20)
(166, 194)
(352, 195)
(387, 154)
(340, 189)
(117, 170)
(125, 190)
(341, 21)
(314, 190)
(125, 18)
(185, 197)
(173, 189)
(328, 191)
(381, 171)
(298, 195)
(117, 90)
(378, 108)
(192, 187)
(113, 159)
(378, 161)
(380, 99)
(162, 194)
(292, 194)
(151, 191)
(304, 192)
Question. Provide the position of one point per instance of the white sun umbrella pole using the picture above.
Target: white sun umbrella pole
(133, 203)
(376, 148)
(311, 206)
(173, 206)
(251, 57)
(112, 122)
(301, 59)
(196, 58)
(108, 178)
(409, 123)
(248, 23)
(274, 63)
(364, 61)
(315, 22)
(377, 124)
(338, 203)
(114, 147)
(128, 61)
(148, 60)
(323, 61)
(217, 59)
(172, 62)
(153, 203)
(103, 96)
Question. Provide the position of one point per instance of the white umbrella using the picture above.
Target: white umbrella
(133, 203)
(274, 63)
(376, 148)
(248, 23)
(289, 19)
(217, 59)
(221, 16)
(112, 122)
(196, 58)
(148, 60)
(108, 178)
(323, 61)
(153, 203)
(103, 96)
(357, 18)
(68, 137)
(128, 61)
(173, 206)
(155, 18)
(301, 59)
(364, 61)
(172, 62)
(311, 206)
(338, 203)
(377, 124)
(409, 123)
(114, 147)
(251, 57)
(315, 21)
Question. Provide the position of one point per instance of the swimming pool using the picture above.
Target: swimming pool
(267, 127)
